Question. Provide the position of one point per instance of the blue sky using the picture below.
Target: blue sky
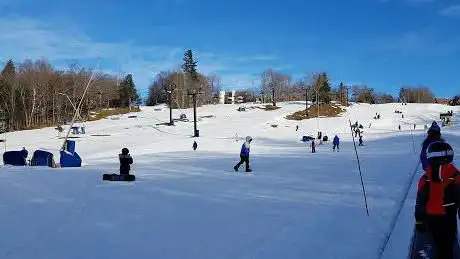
(381, 43)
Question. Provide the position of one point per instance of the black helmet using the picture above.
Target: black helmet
(125, 151)
(434, 128)
(439, 153)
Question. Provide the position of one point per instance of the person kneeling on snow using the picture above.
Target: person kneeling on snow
(125, 161)
(438, 199)
(244, 155)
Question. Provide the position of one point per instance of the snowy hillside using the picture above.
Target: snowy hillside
(190, 204)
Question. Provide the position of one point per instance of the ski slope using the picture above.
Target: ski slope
(190, 204)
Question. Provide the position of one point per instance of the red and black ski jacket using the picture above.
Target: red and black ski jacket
(438, 192)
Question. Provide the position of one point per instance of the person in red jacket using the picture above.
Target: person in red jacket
(438, 199)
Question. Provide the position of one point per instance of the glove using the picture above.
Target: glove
(420, 226)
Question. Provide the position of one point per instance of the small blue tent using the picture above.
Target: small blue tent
(42, 158)
(16, 158)
(70, 158)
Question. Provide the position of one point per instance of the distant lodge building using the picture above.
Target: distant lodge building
(442, 101)
(230, 97)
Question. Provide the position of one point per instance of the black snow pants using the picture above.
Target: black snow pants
(243, 159)
(443, 230)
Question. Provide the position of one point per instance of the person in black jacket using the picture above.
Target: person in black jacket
(195, 145)
(125, 161)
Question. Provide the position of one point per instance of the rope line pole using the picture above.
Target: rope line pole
(359, 168)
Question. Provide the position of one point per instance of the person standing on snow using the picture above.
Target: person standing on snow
(244, 155)
(438, 199)
(195, 145)
(361, 140)
(336, 143)
(434, 134)
(313, 146)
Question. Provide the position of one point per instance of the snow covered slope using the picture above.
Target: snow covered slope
(189, 204)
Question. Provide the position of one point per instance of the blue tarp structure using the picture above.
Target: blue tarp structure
(16, 158)
(42, 158)
(70, 158)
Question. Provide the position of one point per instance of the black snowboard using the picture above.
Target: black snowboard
(119, 177)
(422, 246)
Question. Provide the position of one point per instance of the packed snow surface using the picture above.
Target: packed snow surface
(190, 204)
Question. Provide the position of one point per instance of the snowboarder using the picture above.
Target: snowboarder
(434, 134)
(195, 145)
(437, 201)
(244, 155)
(125, 161)
(336, 143)
(313, 146)
(361, 140)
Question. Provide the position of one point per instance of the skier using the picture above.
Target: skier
(336, 143)
(195, 145)
(438, 200)
(297, 128)
(244, 155)
(434, 134)
(361, 140)
(313, 146)
(125, 161)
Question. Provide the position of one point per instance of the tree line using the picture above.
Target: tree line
(178, 84)
(33, 94)
(274, 87)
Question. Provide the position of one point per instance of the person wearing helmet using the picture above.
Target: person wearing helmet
(244, 155)
(125, 161)
(434, 134)
(438, 200)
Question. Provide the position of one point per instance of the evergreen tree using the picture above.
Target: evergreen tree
(127, 91)
(7, 97)
(323, 86)
(189, 65)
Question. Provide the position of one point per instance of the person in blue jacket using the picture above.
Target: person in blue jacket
(434, 135)
(244, 155)
(336, 143)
